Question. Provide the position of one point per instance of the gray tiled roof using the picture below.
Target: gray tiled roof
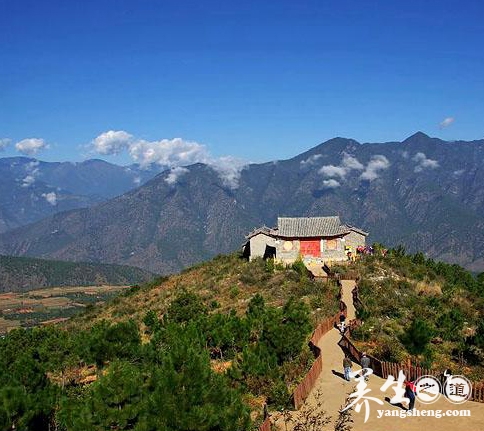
(357, 230)
(310, 226)
(264, 229)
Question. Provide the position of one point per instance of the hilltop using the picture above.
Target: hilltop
(423, 192)
(411, 307)
(222, 284)
(209, 345)
(215, 342)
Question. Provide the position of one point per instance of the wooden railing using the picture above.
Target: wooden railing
(349, 274)
(380, 368)
(304, 388)
(306, 385)
(348, 346)
(384, 369)
(478, 392)
(266, 425)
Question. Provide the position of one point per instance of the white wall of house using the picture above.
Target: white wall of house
(289, 254)
(355, 239)
(258, 245)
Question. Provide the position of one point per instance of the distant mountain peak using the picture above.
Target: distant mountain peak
(95, 162)
(423, 141)
(337, 144)
(418, 135)
(341, 141)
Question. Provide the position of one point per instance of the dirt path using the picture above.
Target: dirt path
(331, 391)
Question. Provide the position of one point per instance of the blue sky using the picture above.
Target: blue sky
(255, 80)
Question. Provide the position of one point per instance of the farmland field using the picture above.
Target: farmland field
(49, 305)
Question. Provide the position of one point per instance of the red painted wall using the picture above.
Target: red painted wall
(310, 247)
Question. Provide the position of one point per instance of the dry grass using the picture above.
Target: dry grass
(428, 288)
(225, 283)
(8, 325)
(220, 367)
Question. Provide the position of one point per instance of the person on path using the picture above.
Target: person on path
(342, 323)
(347, 364)
(410, 393)
(365, 364)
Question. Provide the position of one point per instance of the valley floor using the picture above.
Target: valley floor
(49, 305)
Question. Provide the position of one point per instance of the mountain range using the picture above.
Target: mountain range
(424, 193)
(31, 189)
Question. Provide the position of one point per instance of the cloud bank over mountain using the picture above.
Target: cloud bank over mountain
(349, 164)
(173, 153)
(422, 192)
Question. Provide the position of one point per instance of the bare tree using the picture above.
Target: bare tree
(311, 417)
(344, 421)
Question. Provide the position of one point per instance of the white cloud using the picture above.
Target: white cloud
(424, 163)
(376, 164)
(31, 146)
(168, 152)
(32, 170)
(405, 154)
(333, 171)
(111, 142)
(137, 180)
(446, 122)
(4, 143)
(331, 184)
(171, 153)
(350, 163)
(310, 161)
(228, 169)
(175, 174)
(50, 197)
(459, 172)
(28, 181)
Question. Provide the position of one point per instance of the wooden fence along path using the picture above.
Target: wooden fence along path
(478, 392)
(307, 384)
(380, 368)
(305, 387)
(412, 372)
(266, 425)
(384, 369)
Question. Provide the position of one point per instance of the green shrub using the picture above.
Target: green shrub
(451, 324)
(185, 307)
(269, 265)
(417, 336)
(300, 268)
(214, 305)
(151, 321)
(279, 396)
(362, 332)
(390, 350)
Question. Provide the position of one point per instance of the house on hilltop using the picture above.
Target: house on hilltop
(315, 239)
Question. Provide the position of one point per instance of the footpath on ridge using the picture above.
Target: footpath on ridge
(331, 391)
